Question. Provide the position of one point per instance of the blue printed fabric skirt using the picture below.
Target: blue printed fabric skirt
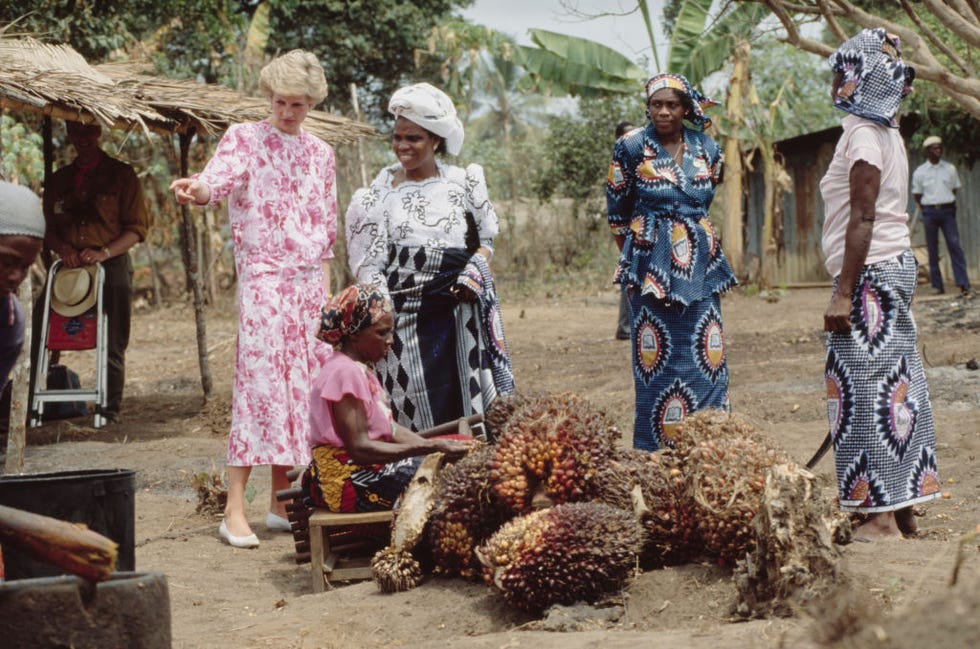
(877, 398)
(679, 364)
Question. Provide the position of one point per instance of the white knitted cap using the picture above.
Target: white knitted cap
(20, 211)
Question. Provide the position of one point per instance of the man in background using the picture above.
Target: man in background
(934, 185)
(95, 212)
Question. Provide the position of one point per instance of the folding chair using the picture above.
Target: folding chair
(88, 330)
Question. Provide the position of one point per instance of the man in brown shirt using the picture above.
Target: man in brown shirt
(95, 212)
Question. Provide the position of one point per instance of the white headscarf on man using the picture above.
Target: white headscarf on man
(432, 109)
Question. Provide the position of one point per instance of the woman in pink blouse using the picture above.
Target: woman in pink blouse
(279, 183)
(362, 460)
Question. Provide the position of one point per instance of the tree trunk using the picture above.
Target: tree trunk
(732, 237)
(361, 166)
(206, 256)
(188, 246)
(151, 262)
(16, 428)
(767, 244)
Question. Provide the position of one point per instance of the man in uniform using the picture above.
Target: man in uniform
(934, 185)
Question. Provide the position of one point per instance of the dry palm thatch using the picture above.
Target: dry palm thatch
(56, 80)
(211, 108)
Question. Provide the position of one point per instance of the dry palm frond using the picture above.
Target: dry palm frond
(55, 80)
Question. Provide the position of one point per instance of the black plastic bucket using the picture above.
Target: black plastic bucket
(101, 499)
(129, 610)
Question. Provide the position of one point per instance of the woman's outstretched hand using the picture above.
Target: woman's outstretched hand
(189, 190)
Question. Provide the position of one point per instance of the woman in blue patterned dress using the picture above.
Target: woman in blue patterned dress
(660, 185)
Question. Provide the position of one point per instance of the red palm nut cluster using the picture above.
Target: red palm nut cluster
(569, 553)
(726, 481)
(555, 443)
(663, 509)
(710, 424)
(463, 514)
(501, 410)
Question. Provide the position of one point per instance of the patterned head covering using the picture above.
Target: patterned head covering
(680, 84)
(351, 311)
(874, 78)
(432, 109)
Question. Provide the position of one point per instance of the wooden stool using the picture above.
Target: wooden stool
(325, 556)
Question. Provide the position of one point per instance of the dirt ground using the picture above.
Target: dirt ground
(224, 597)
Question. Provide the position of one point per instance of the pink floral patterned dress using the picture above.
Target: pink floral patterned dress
(282, 206)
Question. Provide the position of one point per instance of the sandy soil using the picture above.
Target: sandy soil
(223, 597)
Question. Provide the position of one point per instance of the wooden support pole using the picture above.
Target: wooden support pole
(188, 247)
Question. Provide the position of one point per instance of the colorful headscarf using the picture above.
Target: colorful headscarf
(432, 109)
(875, 80)
(351, 311)
(679, 83)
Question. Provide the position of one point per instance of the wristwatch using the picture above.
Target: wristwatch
(108, 255)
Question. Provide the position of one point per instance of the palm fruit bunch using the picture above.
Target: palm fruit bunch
(557, 443)
(463, 514)
(395, 570)
(500, 412)
(709, 424)
(569, 553)
(652, 486)
(726, 479)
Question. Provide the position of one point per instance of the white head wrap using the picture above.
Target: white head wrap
(932, 139)
(432, 109)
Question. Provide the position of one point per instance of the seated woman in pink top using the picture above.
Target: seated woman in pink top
(362, 460)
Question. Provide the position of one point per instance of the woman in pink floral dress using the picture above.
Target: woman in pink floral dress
(279, 182)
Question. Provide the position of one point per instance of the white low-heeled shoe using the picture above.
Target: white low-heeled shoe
(250, 541)
(276, 523)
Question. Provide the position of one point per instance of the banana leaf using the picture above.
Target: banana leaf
(555, 74)
(258, 33)
(699, 48)
(587, 53)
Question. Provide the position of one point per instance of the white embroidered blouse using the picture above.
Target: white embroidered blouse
(429, 213)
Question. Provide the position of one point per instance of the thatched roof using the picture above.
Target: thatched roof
(56, 80)
(212, 108)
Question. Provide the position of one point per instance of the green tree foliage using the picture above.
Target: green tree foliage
(372, 44)
(23, 158)
(197, 38)
(562, 64)
(578, 148)
(804, 83)
(92, 27)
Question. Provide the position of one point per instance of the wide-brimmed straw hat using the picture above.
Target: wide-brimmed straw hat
(73, 291)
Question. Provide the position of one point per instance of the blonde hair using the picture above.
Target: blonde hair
(295, 73)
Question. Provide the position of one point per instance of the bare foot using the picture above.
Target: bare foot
(905, 519)
(878, 527)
